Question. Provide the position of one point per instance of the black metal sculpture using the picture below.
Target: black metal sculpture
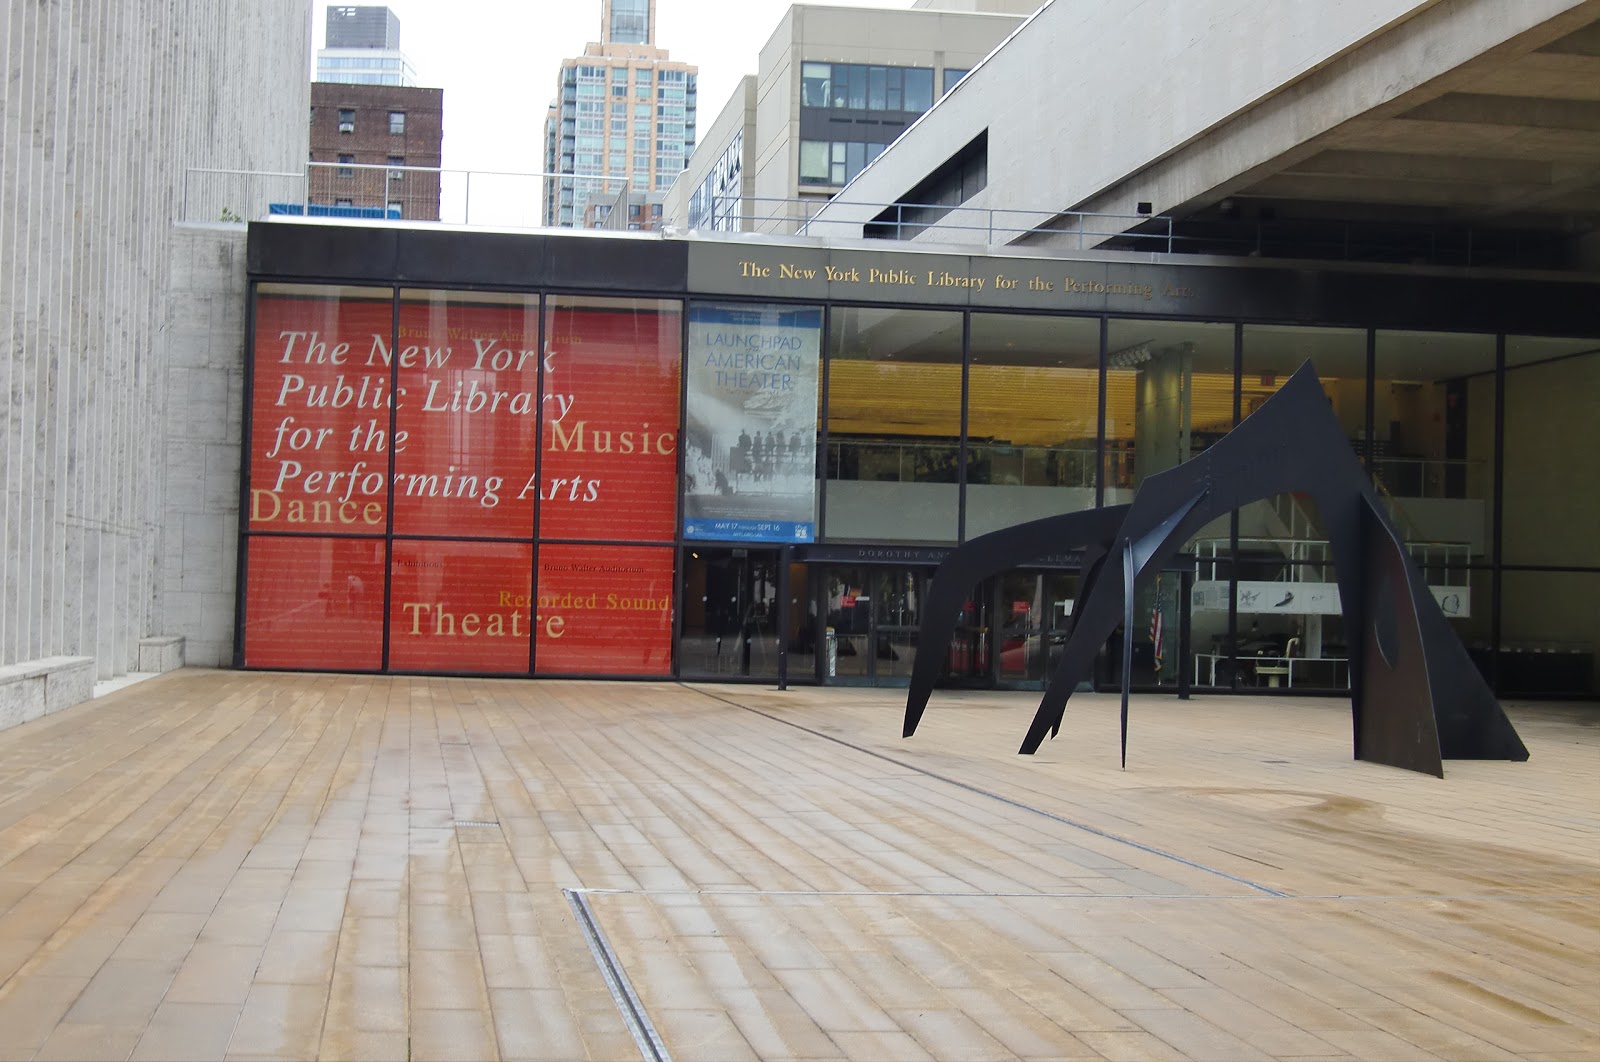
(1416, 697)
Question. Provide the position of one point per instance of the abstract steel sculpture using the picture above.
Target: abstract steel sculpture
(1417, 699)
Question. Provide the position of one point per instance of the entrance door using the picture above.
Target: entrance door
(730, 612)
(874, 614)
(1035, 608)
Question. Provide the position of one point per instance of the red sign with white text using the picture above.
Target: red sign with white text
(604, 610)
(461, 606)
(468, 381)
(610, 436)
(314, 603)
(319, 431)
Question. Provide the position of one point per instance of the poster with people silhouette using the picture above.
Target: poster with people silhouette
(750, 463)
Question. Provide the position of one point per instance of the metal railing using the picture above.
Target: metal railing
(988, 464)
(936, 221)
(1311, 559)
(1417, 477)
(516, 200)
(487, 198)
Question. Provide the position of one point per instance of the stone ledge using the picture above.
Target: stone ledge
(161, 653)
(36, 688)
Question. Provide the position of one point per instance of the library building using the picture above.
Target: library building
(743, 458)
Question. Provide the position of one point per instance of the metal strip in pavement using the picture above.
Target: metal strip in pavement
(622, 992)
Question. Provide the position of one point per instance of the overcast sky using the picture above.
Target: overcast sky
(497, 60)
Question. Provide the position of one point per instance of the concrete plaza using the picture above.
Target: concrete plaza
(246, 866)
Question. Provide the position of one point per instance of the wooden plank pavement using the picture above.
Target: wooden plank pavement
(227, 865)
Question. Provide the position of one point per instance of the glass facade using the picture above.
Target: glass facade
(894, 425)
(492, 483)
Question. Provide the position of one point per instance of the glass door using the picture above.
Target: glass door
(730, 613)
(1035, 610)
(896, 616)
(872, 615)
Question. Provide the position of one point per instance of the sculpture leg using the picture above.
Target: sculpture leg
(988, 555)
(1127, 641)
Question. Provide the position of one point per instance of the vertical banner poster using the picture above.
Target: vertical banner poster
(319, 420)
(467, 381)
(751, 423)
(604, 610)
(609, 467)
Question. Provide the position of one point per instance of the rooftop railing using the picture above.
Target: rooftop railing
(516, 200)
(505, 200)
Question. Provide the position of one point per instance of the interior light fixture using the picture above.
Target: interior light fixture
(1130, 357)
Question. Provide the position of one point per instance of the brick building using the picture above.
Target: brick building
(369, 139)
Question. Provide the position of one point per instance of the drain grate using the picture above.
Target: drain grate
(462, 823)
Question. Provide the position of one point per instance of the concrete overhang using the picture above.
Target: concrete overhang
(1465, 129)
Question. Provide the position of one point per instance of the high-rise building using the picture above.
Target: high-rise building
(623, 119)
(362, 47)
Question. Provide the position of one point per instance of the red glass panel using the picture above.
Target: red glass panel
(461, 606)
(314, 603)
(604, 610)
(320, 415)
(611, 401)
(468, 377)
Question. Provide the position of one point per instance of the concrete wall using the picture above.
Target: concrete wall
(1097, 106)
(203, 391)
(738, 113)
(105, 105)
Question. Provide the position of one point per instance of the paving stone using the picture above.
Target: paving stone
(268, 866)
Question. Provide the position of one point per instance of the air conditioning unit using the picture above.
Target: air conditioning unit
(347, 127)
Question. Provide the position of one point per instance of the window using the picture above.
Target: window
(814, 81)
(630, 22)
(396, 209)
(397, 123)
(834, 162)
(396, 161)
(870, 88)
(642, 90)
(344, 166)
(952, 77)
(813, 162)
(894, 423)
(344, 202)
(919, 89)
(347, 119)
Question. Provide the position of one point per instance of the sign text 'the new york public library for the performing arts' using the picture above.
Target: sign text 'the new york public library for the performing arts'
(480, 498)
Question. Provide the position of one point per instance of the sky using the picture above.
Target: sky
(497, 61)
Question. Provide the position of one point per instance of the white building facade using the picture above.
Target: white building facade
(836, 86)
(108, 105)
